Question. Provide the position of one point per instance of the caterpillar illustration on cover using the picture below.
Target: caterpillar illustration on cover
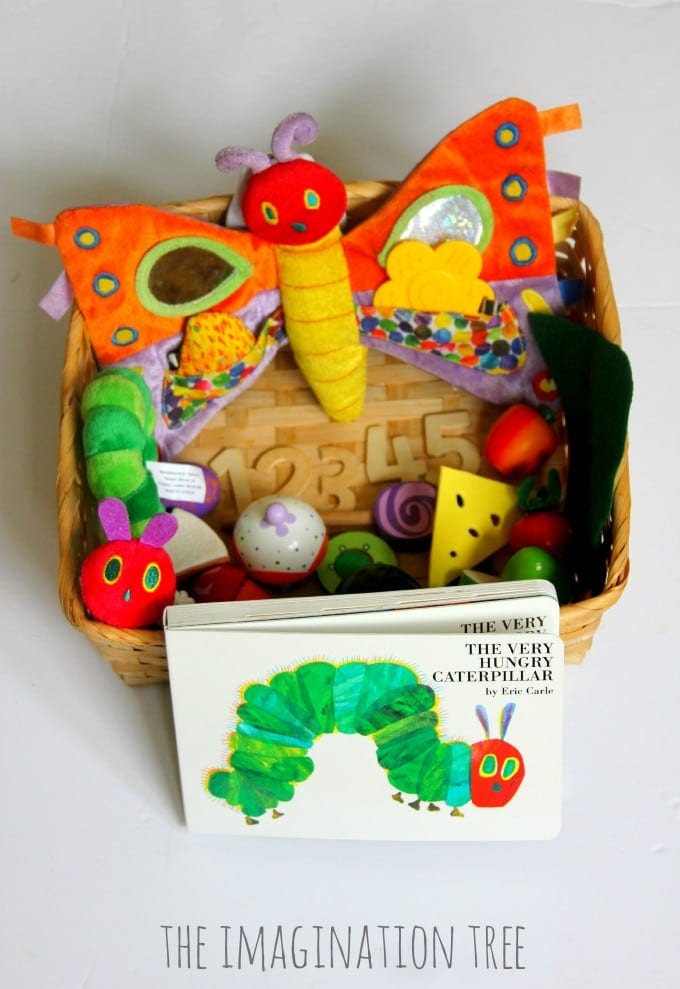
(279, 721)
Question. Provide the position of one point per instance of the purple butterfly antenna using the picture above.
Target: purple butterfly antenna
(233, 158)
(506, 718)
(297, 128)
(483, 718)
(159, 530)
(114, 518)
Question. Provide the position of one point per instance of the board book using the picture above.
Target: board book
(427, 716)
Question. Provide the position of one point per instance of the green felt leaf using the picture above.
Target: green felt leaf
(595, 382)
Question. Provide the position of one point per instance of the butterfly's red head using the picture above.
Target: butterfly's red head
(289, 199)
(294, 202)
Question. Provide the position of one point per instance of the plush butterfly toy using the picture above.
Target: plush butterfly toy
(128, 582)
(442, 274)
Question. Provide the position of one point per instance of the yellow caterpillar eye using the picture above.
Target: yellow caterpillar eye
(113, 568)
(312, 199)
(489, 766)
(151, 578)
(270, 213)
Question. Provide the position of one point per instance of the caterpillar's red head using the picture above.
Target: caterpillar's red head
(288, 200)
(497, 767)
(128, 582)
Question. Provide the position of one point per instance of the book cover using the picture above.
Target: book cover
(384, 736)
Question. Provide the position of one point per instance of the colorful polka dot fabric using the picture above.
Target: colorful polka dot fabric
(493, 344)
(185, 393)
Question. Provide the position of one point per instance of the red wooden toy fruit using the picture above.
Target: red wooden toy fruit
(225, 582)
(547, 530)
(519, 441)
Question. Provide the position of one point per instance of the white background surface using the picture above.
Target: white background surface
(129, 101)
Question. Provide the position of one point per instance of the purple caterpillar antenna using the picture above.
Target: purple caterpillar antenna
(159, 530)
(232, 158)
(298, 128)
(113, 516)
(483, 718)
(506, 718)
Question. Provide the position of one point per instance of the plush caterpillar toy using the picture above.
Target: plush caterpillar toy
(118, 423)
(297, 205)
(128, 582)
(279, 721)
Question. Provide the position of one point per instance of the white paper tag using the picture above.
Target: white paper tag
(178, 482)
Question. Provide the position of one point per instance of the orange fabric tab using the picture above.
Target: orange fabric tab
(41, 233)
(560, 118)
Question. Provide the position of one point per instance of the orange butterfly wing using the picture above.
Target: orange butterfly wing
(116, 258)
(496, 159)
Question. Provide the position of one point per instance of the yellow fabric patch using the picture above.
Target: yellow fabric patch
(434, 279)
(213, 342)
(535, 302)
(563, 224)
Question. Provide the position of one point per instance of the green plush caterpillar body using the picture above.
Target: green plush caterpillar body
(118, 423)
(386, 701)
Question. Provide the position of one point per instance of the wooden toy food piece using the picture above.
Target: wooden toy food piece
(404, 514)
(376, 577)
(546, 530)
(195, 544)
(225, 582)
(279, 540)
(352, 551)
(473, 519)
(533, 563)
(519, 441)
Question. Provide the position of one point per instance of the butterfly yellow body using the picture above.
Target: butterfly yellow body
(321, 323)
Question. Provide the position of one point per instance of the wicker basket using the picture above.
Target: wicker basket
(302, 443)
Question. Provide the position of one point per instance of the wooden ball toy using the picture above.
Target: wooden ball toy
(279, 540)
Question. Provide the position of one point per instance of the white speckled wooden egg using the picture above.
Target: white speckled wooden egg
(279, 540)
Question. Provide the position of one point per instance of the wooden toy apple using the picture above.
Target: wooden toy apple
(519, 441)
(533, 563)
(225, 582)
(547, 530)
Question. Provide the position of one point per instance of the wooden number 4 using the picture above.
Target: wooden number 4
(404, 466)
